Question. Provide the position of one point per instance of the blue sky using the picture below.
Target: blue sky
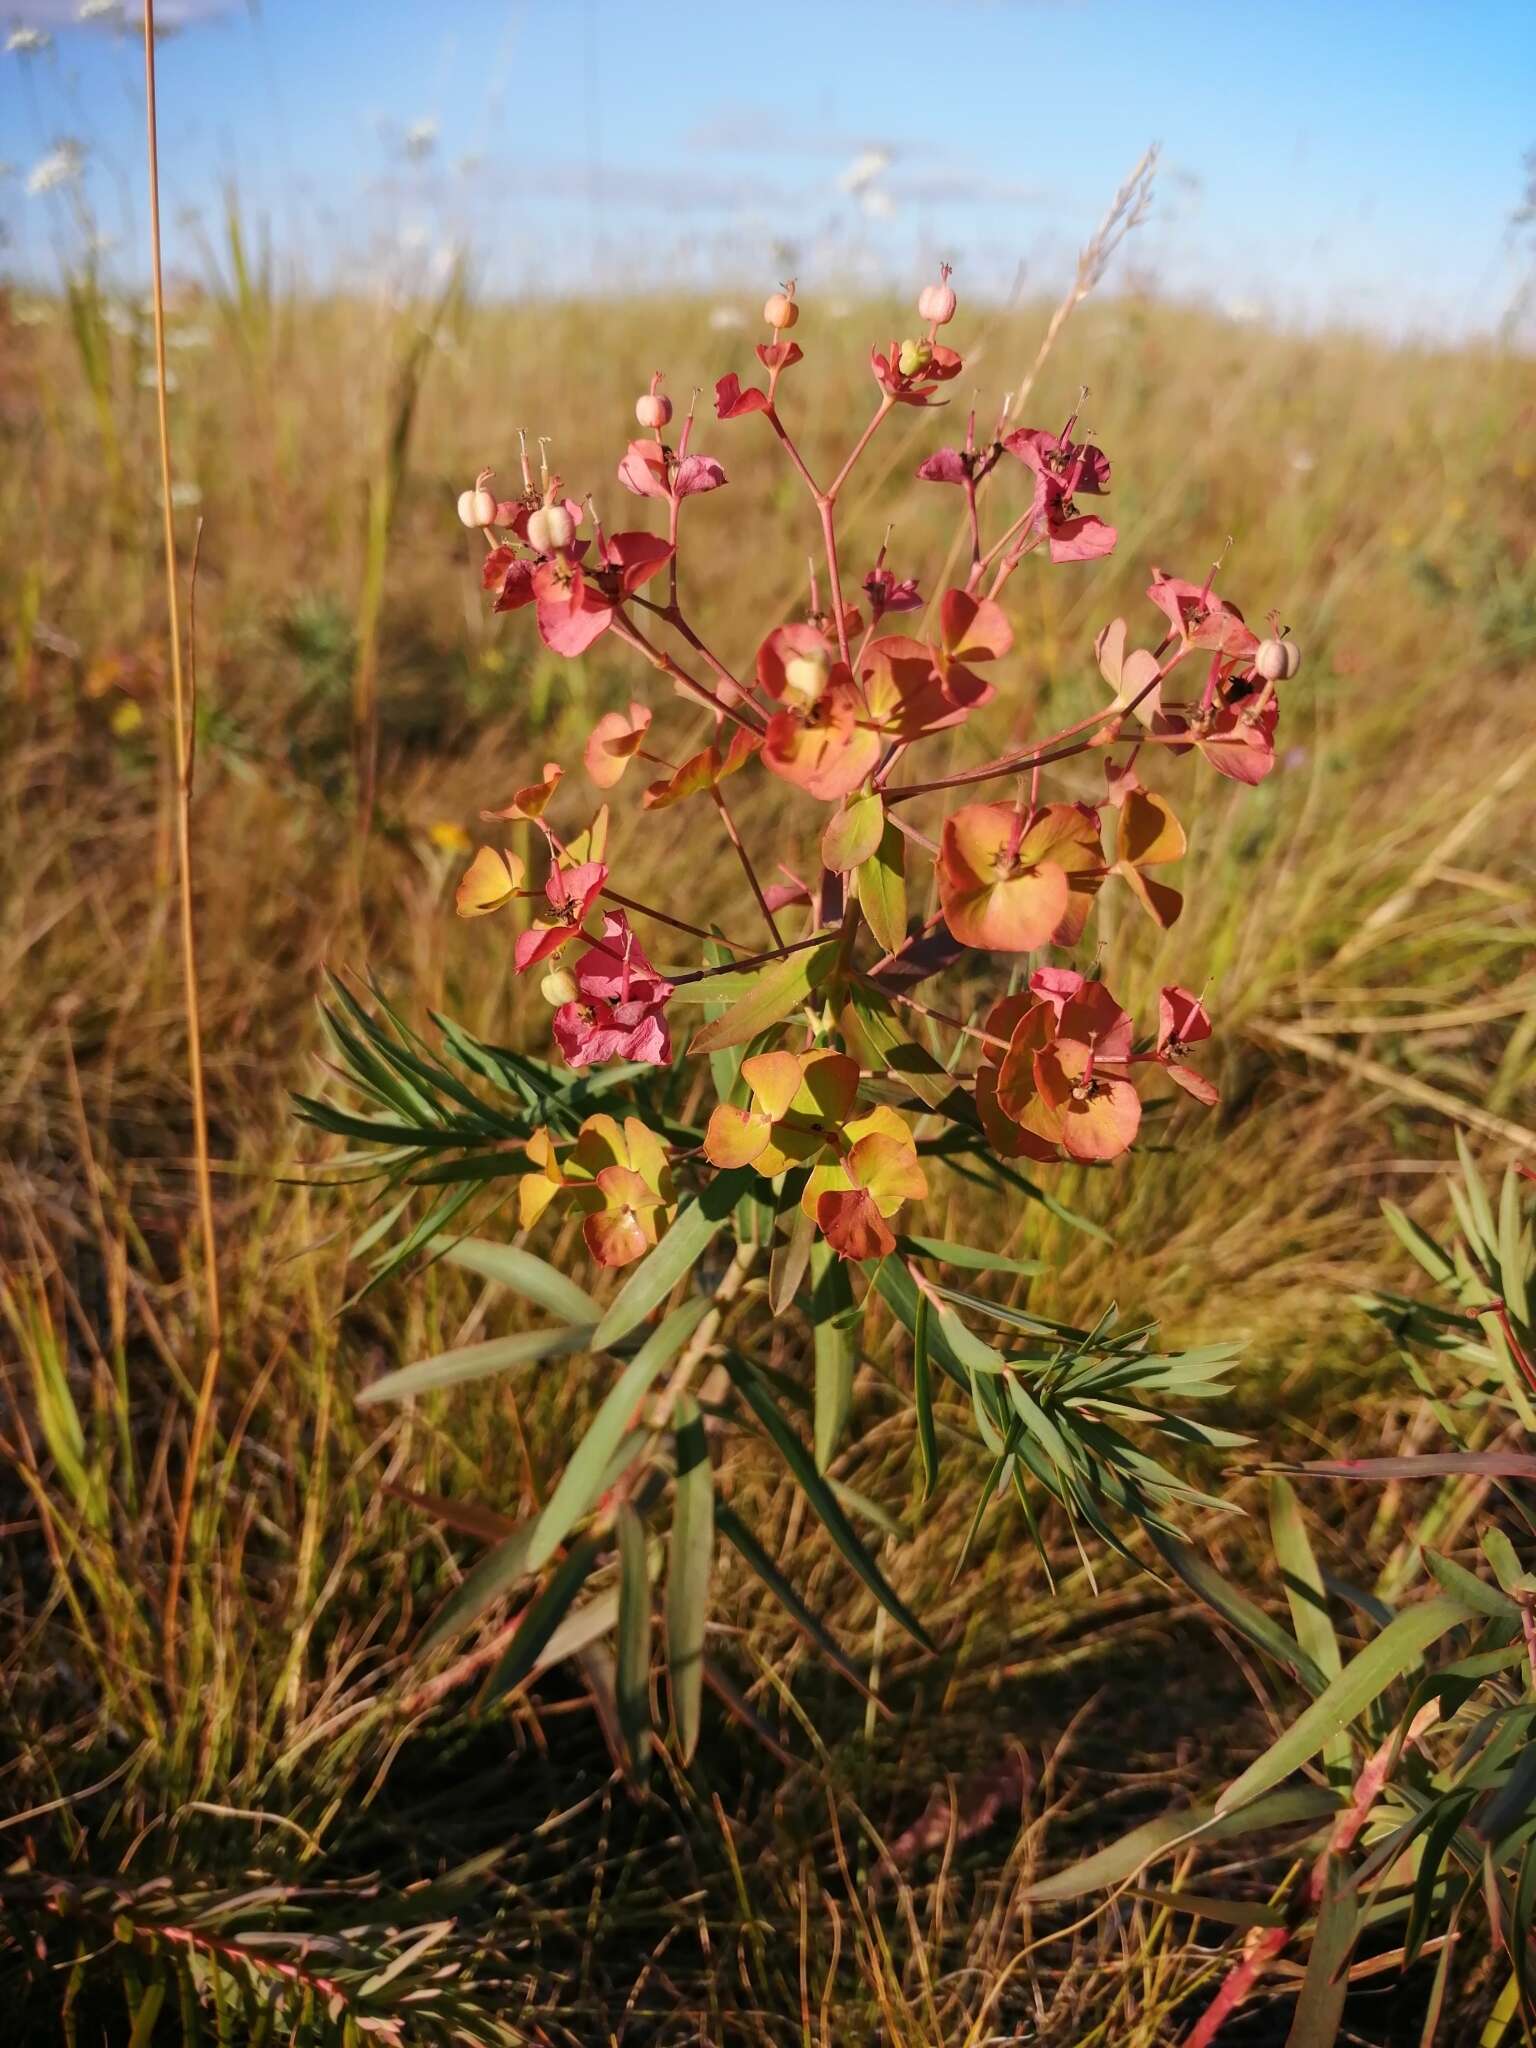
(1358, 160)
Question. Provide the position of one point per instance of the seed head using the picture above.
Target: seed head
(780, 310)
(477, 507)
(550, 527)
(1277, 660)
(653, 408)
(936, 302)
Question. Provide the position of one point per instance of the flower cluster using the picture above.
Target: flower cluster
(825, 1101)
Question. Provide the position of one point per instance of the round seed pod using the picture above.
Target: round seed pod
(653, 409)
(936, 302)
(1277, 660)
(780, 310)
(550, 527)
(477, 507)
(557, 987)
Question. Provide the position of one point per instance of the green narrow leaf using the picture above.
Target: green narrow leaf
(589, 1471)
(474, 1362)
(837, 1351)
(1399, 1647)
(1308, 1602)
(882, 887)
(1418, 1244)
(1234, 1606)
(688, 1567)
(788, 1260)
(736, 1533)
(1133, 1852)
(821, 1497)
(1320, 2007)
(776, 990)
(532, 1278)
(1465, 1586)
(969, 1257)
(490, 1577)
(543, 1615)
(1512, 1256)
(662, 1267)
(922, 1390)
(632, 1686)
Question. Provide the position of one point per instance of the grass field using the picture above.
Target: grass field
(1364, 920)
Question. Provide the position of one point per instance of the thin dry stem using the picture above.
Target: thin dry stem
(203, 1415)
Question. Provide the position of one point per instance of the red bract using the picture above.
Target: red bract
(1063, 1079)
(888, 593)
(651, 470)
(1063, 468)
(571, 893)
(619, 1009)
(732, 401)
(576, 604)
(1181, 1022)
(1010, 881)
(816, 741)
(914, 370)
(1200, 618)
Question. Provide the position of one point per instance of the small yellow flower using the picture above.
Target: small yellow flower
(448, 837)
(127, 718)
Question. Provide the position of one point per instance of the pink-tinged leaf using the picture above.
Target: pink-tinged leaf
(1098, 1116)
(571, 613)
(702, 771)
(1010, 1137)
(944, 466)
(1182, 1019)
(643, 469)
(973, 629)
(829, 757)
(540, 942)
(491, 879)
(1084, 539)
(1006, 890)
(775, 1079)
(853, 1226)
(1160, 900)
(1192, 1083)
(614, 741)
(532, 800)
(1241, 748)
(888, 1169)
(617, 1237)
(516, 585)
(697, 473)
(637, 557)
(731, 401)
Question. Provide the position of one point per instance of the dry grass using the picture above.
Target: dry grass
(1368, 894)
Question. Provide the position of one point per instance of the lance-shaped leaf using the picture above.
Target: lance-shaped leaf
(531, 1277)
(882, 886)
(736, 1532)
(776, 990)
(1133, 1852)
(588, 1471)
(821, 1496)
(922, 1390)
(1399, 1647)
(689, 1557)
(475, 1361)
(836, 1347)
(1234, 1606)
(543, 1616)
(491, 1576)
(632, 1681)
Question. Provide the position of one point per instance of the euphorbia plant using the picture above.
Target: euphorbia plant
(790, 1095)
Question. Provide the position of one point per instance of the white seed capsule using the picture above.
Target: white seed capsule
(478, 507)
(1277, 660)
(780, 310)
(550, 527)
(936, 302)
(558, 987)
